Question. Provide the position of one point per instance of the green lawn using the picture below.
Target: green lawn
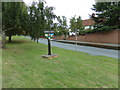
(23, 67)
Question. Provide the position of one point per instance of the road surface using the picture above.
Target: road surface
(86, 49)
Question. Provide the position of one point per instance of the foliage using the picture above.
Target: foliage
(49, 17)
(36, 20)
(106, 17)
(18, 19)
(76, 24)
(57, 33)
(62, 27)
(98, 29)
(41, 18)
(12, 13)
(107, 14)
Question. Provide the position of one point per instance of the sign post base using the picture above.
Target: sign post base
(50, 56)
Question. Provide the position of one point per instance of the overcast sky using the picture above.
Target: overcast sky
(69, 8)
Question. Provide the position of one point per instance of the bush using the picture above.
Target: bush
(58, 33)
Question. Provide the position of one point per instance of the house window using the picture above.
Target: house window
(87, 27)
(92, 27)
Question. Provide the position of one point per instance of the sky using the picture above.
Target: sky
(70, 8)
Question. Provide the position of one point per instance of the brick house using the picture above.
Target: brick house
(88, 23)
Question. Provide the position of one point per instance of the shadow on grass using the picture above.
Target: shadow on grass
(17, 42)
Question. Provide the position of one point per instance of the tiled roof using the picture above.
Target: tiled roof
(88, 22)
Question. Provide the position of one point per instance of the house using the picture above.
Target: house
(88, 23)
(72, 33)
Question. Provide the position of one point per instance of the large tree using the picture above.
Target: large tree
(107, 14)
(12, 13)
(40, 19)
(11, 18)
(49, 17)
(36, 20)
(18, 19)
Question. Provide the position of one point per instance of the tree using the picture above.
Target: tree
(76, 24)
(25, 20)
(40, 19)
(36, 20)
(49, 17)
(62, 25)
(73, 23)
(18, 19)
(11, 15)
(107, 14)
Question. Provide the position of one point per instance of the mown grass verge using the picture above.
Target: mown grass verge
(23, 67)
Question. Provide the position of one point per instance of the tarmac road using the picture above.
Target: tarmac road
(86, 49)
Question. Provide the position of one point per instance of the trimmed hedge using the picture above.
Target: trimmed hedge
(103, 28)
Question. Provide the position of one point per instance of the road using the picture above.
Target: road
(86, 49)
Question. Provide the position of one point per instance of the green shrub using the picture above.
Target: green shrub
(98, 29)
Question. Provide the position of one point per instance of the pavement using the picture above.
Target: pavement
(100, 45)
(82, 48)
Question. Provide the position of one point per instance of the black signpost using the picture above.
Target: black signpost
(49, 47)
(49, 34)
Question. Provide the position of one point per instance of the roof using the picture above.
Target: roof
(88, 22)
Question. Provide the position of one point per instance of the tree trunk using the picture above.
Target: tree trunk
(10, 39)
(31, 38)
(34, 39)
(3, 43)
(65, 36)
(37, 40)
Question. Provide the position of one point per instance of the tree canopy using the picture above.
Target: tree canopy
(62, 26)
(106, 17)
(12, 13)
(76, 24)
(107, 14)
(20, 19)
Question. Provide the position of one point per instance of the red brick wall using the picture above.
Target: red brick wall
(98, 37)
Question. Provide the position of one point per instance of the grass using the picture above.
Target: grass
(23, 67)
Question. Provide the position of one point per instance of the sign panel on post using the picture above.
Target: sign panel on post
(49, 35)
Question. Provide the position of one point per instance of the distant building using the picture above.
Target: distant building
(88, 23)
(71, 33)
